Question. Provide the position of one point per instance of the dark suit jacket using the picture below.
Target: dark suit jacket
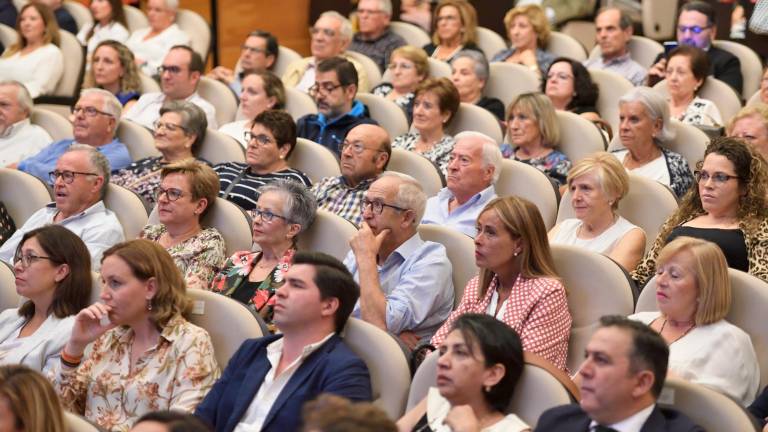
(332, 368)
(722, 65)
(571, 418)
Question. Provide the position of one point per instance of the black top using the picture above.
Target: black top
(422, 425)
(722, 65)
(495, 106)
(245, 292)
(731, 242)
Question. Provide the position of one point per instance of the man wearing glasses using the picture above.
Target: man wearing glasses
(179, 77)
(258, 54)
(696, 27)
(79, 179)
(19, 138)
(375, 39)
(94, 122)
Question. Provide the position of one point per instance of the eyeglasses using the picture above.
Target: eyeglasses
(67, 176)
(170, 127)
(173, 70)
(326, 87)
(262, 139)
(89, 111)
(27, 260)
(406, 66)
(718, 177)
(327, 32)
(693, 29)
(172, 194)
(357, 147)
(253, 50)
(561, 76)
(267, 216)
(378, 206)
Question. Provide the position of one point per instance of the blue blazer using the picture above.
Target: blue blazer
(332, 368)
(571, 418)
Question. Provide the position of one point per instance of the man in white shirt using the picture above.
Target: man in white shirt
(614, 31)
(179, 77)
(18, 137)
(269, 379)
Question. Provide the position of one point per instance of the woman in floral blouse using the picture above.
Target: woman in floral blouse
(187, 192)
(285, 209)
(179, 132)
(134, 352)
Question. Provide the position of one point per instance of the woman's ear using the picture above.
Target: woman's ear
(61, 272)
(493, 375)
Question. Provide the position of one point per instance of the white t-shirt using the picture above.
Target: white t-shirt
(654, 170)
(604, 243)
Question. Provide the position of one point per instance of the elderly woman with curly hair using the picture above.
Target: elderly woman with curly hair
(728, 207)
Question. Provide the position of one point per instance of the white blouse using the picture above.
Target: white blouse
(604, 243)
(112, 31)
(236, 130)
(154, 49)
(438, 408)
(655, 170)
(39, 70)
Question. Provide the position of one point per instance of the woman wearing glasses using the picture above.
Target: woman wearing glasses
(53, 272)
(179, 132)
(186, 194)
(455, 30)
(284, 210)
(151, 44)
(408, 66)
(728, 207)
(261, 91)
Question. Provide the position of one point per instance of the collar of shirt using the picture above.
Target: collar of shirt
(98, 207)
(633, 423)
(617, 60)
(14, 128)
(275, 351)
(404, 250)
(169, 333)
(446, 195)
(358, 37)
(364, 184)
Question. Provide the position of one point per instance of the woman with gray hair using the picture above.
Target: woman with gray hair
(284, 210)
(644, 126)
(179, 132)
(151, 44)
(469, 73)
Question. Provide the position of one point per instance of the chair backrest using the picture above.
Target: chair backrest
(285, 56)
(471, 117)
(418, 167)
(581, 30)
(129, 209)
(525, 181)
(314, 160)
(372, 71)
(9, 298)
(707, 408)
(461, 252)
(648, 204)
(298, 104)
(723, 95)
(596, 286)
(23, 194)
(565, 45)
(197, 28)
(74, 67)
(659, 19)
(8, 35)
(218, 148)
(689, 141)
(79, 12)
(413, 34)
(438, 68)
(135, 17)
(58, 127)
(506, 81)
(95, 288)
(489, 41)
(227, 321)
(643, 50)
(76, 423)
(611, 86)
(148, 85)
(389, 116)
(390, 374)
(751, 66)
(579, 137)
(755, 99)
(221, 97)
(137, 139)
(329, 233)
(749, 301)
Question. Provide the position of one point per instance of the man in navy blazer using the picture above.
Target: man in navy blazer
(268, 380)
(621, 379)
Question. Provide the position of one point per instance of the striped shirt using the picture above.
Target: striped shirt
(333, 194)
(245, 192)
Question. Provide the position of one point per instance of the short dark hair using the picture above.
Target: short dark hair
(585, 91)
(345, 70)
(273, 87)
(448, 97)
(272, 45)
(282, 126)
(625, 21)
(698, 58)
(193, 120)
(62, 246)
(333, 279)
(176, 421)
(196, 63)
(649, 350)
(701, 7)
(499, 343)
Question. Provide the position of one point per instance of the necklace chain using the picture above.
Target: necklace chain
(679, 337)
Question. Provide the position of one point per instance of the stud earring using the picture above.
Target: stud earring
(149, 304)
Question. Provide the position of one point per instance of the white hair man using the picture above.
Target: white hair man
(374, 37)
(18, 137)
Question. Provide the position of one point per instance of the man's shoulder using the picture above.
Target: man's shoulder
(671, 420)
(562, 418)
(720, 54)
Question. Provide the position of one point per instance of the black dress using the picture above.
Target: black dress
(731, 242)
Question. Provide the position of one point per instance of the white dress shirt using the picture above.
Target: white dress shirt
(147, 109)
(154, 49)
(22, 140)
(632, 424)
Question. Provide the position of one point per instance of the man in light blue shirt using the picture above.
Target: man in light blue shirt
(474, 168)
(406, 285)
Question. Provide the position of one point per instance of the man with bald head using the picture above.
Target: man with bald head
(365, 154)
(614, 31)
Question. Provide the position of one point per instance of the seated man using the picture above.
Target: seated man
(338, 111)
(258, 54)
(331, 35)
(364, 155)
(375, 39)
(406, 285)
(179, 77)
(94, 122)
(474, 168)
(18, 137)
(268, 379)
(614, 31)
(621, 379)
(80, 180)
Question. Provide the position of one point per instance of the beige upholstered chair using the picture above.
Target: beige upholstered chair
(76, 423)
(372, 71)
(659, 19)
(723, 95)
(386, 113)
(148, 85)
(689, 141)
(612, 86)
(314, 160)
(138, 140)
(461, 253)
(527, 182)
(298, 104)
(412, 34)
(418, 167)
(564, 45)
(285, 56)
(755, 99)
(707, 408)
(8, 35)
(23, 194)
(489, 42)
(438, 68)
(74, 67)
(218, 148)
(506, 81)
(9, 298)
(641, 49)
(95, 288)
(129, 209)
(58, 127)
(581, 30)
(751, 65)
(579, 137)
(135, 17)
(79, 12)
(474, 118)
(197, 28)
(329, 233)
(221, 97)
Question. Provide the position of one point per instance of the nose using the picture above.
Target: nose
(586, 369)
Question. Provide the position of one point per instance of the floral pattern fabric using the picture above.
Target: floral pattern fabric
(439, 154)
(555, 164)
(142, 177)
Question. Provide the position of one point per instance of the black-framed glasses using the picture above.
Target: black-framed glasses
(67, 176)
(253, 50)
(267, 216)
(172, 194)
(718, 177)
(326, 87)
(693, 29)
(378, 206)
(261, 139)
(357, 147)
(173, 70)
(170, 127)
(28, 259)
(89, 111)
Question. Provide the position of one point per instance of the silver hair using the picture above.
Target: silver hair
(193, 119)
(300, 205)
(111, 105)
(481, 64)
(23, 98)
(491, 151)
(346, 26)
(410, 194)
(656, 107)
(98, 162)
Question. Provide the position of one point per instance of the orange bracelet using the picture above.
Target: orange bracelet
(69, 359)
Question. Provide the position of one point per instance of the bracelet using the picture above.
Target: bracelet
(69, 364)
(70, 361)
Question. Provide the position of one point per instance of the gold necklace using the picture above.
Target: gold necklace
(679, 337)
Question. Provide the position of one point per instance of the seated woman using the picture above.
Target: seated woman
(29, 401)
(534, 133)
(408, 66)
(480, 363)
(528, 30)
(109, 24)
(517, 282)
(644, 126)
(750, 124)
(113, 68)
(261, 91)
(179, 133)
(570, 88)
(53, 273)
(436, 101)
(455, 30)
(142, 355)
(35, 59)
(187, 192)
(469, 73)
(284, 210)
(728, 207)
(151, 44)
(693, 294)
(169, 421)
(687, 68)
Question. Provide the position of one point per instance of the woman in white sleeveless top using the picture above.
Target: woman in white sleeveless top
(597, 183)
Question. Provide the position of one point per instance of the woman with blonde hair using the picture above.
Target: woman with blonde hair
(517, 283)
(113, 68)
(455, 30)
(28, 402)
(528, 30)
(693, 295)
(751, 125)
(408, 67)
